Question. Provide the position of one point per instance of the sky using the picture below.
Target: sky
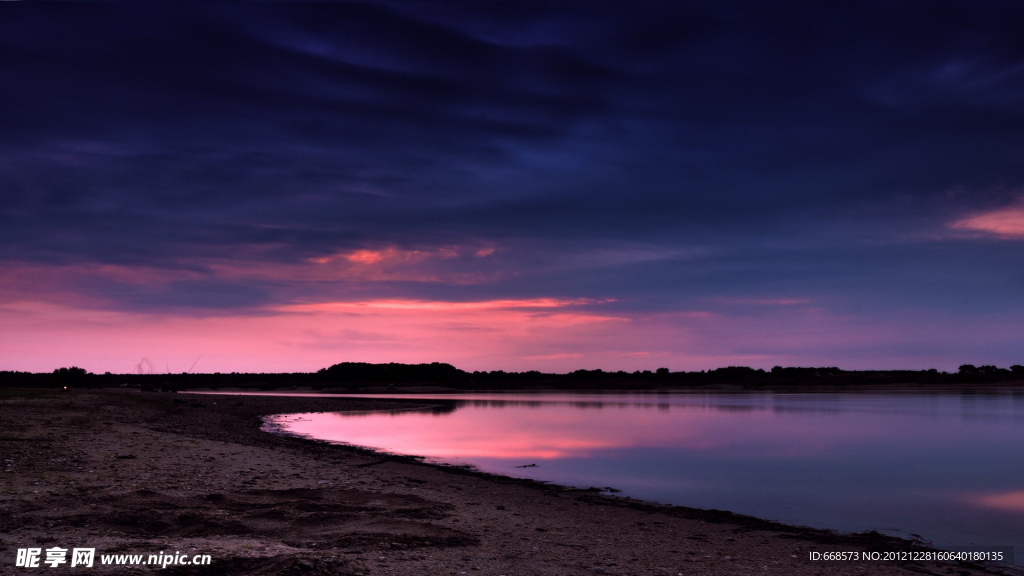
(511, 185)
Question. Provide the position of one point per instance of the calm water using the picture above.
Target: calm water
(948, 468)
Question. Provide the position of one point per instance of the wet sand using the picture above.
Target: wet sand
(127, 472)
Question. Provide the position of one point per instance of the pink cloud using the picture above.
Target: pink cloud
(436, 264)
(1005, 223)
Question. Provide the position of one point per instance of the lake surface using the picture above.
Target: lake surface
(947, 468)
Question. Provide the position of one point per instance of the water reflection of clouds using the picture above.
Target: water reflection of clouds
(581, 404)
(942, 464)
(563, 430)
(468, 434)
(1011, 501)
(975, 406)
(789, 427)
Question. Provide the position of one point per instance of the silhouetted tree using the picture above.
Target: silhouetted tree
(968, 370)
(70, 377)
(360, 372)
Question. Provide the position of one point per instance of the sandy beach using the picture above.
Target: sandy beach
(131, 473)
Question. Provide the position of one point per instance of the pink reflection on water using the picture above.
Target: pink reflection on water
(1012, 501)
(563, 430)
(464, 434)
(930, 464)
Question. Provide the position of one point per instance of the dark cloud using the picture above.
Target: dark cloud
(187, 297)
(791, 145)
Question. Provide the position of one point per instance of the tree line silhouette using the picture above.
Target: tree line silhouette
(364, 376)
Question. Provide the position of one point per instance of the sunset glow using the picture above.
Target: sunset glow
(433, 306)
(292, 185)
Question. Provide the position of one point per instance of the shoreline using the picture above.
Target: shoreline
(414, 390)
(138, 473)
